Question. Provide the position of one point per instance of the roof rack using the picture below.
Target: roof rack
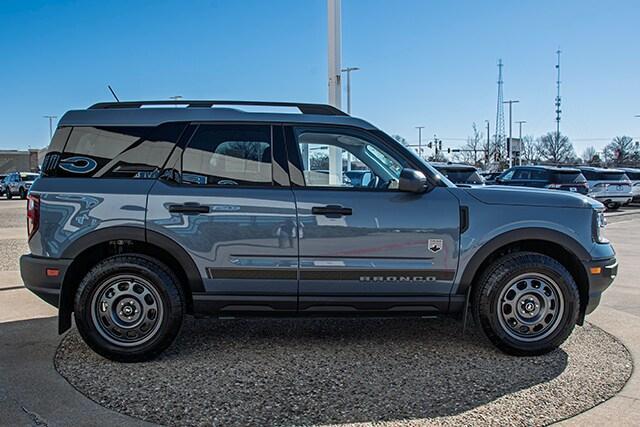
(320, 109)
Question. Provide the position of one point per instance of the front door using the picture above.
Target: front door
(232, 212)
(364, 245)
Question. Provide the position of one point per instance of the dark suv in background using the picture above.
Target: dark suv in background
(459, 173)
(556, 178)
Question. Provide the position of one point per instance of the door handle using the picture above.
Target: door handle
(189, 208)
(331, 211)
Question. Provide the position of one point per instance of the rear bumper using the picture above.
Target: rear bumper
(33, 271)
(599, 282)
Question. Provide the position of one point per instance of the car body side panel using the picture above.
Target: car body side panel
(71, 208)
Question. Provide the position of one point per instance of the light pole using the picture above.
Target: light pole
(510, 102)
(420, 140)
(51, 119)
(488, 154)
(348, 70)
(176, 98)
(520, 123)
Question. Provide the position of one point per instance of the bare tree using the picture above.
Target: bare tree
(530, 150)
(589, 154)
(400, 139)
(556, 148)
(622, 150)
(473, 150)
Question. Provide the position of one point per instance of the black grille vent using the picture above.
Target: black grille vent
(50, 163)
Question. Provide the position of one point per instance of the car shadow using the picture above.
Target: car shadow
(311, 371)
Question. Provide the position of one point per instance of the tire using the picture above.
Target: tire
(23, 193)
(526, 303)
(612, 206)
(9, 196)
(134, 285)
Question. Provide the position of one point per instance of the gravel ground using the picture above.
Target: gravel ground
(10, 252)
(302, 372)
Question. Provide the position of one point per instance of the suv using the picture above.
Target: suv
(18, 184)
(609, 186)
(568, 179)
(634, 176)
(459, 173)
(143, 215)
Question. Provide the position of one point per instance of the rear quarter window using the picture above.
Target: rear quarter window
(117, 151)
(567, 177)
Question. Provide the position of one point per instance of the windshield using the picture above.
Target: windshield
(28, 176)
(463, 176)
(613, 176)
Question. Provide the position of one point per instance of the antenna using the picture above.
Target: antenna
(113, 93)
(500, 131)
(558, 99)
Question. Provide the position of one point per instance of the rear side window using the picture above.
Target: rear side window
(614, 176)
(116, 151)
(228, 155)
(567, 177)
(634, 176)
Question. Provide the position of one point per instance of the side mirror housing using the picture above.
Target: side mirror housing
(412, 181)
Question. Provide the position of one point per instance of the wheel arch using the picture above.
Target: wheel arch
(97, 245)
(555, 244)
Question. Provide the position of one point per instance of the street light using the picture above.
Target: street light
(51, 119)
(176, 98)
(510, 102)
(348, 70)
(520, 122)
(420, 140)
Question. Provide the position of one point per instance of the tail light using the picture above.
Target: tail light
(33, 214)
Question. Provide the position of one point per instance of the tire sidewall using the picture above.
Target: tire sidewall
(166, 287)
(490, 305)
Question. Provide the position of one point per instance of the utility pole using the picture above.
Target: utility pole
(510, 102)
(558, 99)
(487, 155)
(51, 119)
(334, 38)
(348, 70)
(500, 110)
(176, 98)
(520, 123)
(420, 140)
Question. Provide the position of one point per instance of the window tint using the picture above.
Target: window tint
(462, 176)
(522, 174)
(118, 152)
(228, 155)
(634, 176)
(339, 160)
(538, 174)
(508, 175)
(568, 177)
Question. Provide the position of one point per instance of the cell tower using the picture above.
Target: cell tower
(558, 110)
(500, 131)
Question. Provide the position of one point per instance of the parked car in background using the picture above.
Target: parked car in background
(555, 178)
(634, 176)
(18, 184)
(609, 186)
(490, 177)
(360, 178)
(459, 173)
(2, 177)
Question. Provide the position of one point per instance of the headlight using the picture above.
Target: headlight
(599, 224)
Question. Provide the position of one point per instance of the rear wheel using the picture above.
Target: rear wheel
(9, 196)
(526, 303)
(612, 206)
(129, 308)
(23, 193)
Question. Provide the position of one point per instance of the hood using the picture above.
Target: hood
(523, 196)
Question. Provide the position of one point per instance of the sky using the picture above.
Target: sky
(423, 63)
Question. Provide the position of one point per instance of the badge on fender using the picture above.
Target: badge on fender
(435, 245)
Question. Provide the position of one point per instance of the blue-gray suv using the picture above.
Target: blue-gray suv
(143, 215)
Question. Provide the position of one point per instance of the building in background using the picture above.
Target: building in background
(21, 160)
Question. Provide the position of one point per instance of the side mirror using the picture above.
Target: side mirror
(412, 181)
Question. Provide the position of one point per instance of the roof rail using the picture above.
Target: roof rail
(320, 109)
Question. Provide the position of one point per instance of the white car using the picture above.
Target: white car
(18, 184)
(634, 177)
(611, 187)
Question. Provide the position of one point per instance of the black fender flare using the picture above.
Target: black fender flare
(139, 234)
(530, 233)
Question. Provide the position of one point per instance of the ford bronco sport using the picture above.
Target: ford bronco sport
(143, 215)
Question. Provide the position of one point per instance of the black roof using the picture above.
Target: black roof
(600, 170)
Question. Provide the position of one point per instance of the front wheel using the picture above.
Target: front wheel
(9, 196)
(129, 308)
(23, 193)
(526, 303)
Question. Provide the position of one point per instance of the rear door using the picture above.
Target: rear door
(229, 205)
(367, 247)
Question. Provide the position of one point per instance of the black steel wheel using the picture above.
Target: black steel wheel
(129, 308)
(526, 303)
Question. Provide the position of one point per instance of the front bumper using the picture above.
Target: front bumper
(598, 282)
(33, 270)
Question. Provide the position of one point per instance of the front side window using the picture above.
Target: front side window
(331, 159)
(228, 155)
